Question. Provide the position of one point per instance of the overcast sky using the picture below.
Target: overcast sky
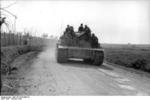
(116, 21)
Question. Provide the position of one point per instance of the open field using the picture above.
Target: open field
(135, 56)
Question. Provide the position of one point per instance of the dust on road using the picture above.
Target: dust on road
(44, 76)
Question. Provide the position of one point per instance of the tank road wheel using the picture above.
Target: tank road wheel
(62, 55)
(98, 59)
(90, 61)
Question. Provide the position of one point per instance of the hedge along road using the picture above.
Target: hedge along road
(42, 75)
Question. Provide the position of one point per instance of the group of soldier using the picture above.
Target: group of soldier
(81, 29)
(85, 30)
(69, 30)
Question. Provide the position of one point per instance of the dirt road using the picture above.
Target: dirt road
(41, 75)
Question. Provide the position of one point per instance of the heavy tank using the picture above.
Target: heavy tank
(79, 45)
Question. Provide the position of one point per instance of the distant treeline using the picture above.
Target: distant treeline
(11, 39)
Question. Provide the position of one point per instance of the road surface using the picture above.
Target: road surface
(40, 74)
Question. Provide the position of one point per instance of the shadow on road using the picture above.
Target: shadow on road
(82, 64)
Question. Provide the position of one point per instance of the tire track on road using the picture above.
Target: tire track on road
(122, 81)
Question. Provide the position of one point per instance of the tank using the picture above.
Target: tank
(79, 45)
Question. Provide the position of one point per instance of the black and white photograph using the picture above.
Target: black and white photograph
(75, 48)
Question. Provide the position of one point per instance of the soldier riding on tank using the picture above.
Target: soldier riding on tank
(87, 31)
(81, 29)
(80, 45)
(94, 41)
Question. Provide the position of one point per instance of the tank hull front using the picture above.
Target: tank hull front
(95, 55)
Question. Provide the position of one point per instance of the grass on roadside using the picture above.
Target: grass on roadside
(133, 56)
